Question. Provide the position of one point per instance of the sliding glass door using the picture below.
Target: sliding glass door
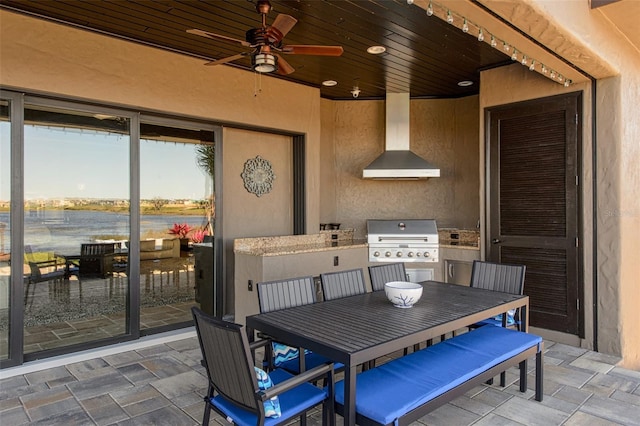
(176, 212)
(100, 246)
(76, 219)
(5, 227)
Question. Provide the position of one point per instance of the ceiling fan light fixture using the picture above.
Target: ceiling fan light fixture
(376, 50)
(264, 62)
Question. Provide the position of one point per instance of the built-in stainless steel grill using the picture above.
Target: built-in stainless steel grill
(411, 240)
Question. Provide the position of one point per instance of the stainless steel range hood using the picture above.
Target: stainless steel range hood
(397, 161)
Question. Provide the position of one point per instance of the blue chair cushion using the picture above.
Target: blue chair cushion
(497, 320)
(292, 402)
(311, 360)
(286, 357)
(283, 353)
(510, 317)
(390, 390)
(271, 406)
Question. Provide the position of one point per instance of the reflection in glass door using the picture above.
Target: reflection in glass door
(176, 212)
(76, 225)
(5, 227)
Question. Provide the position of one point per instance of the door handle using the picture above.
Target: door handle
(496, 241)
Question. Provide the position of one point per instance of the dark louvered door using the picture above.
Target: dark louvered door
(533, 211)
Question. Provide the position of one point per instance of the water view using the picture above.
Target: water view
(64, 230)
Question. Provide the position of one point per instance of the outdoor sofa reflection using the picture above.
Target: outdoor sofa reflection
(163, 248)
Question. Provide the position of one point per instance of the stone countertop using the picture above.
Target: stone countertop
(468, 239)
(337, 240)
(303, 248)
(293, 244)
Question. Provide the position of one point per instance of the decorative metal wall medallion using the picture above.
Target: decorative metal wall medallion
(258, 176)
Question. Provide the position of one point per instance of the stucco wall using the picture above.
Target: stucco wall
(56, 59)
(444, 132)
(618, 175)
(587, 37)
(244, 213)
(617, 210)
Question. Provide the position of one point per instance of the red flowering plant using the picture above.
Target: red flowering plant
(181, 230)
(198, 235)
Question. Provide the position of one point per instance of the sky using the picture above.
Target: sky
(70, 163)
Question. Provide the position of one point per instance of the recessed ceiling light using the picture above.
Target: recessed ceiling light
(465, 83)
(376, 50)
(329, 83)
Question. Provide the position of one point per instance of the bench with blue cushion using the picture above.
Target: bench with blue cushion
(405, 389)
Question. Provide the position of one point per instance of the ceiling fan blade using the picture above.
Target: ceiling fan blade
(280, 27)
(227, 59)
(307, 49)
(218, 37)
(284, 67)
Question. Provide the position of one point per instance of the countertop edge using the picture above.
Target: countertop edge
(299, 249)
(342, 245)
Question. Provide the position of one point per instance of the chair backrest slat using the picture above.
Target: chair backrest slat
(498, 277)
(228, 360)
(386, 272)
(281, 294)
(96, 249)
(342, 284)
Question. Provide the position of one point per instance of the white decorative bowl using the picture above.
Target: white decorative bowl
(403, 294)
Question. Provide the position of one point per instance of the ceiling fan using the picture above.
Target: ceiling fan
(266, 42)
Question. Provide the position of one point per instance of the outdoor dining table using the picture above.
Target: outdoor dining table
(357, 329)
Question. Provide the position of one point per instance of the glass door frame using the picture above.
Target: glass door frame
(192, 124)
(16, 217)
(17, 102)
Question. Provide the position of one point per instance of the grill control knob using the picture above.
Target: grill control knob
(399, 254)
(376, 253)
(388, 254)
(418, 254)
(410, 254)
(427, 254)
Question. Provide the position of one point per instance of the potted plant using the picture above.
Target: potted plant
(181, 230)
(198, 235)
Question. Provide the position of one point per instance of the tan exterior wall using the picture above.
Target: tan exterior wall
(342, 137)
(618, 175)
(327, 163)
(55, 59)
(443, 131)
(578, 33)
(245, 214)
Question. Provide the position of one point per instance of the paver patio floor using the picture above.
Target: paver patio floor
(164, 384)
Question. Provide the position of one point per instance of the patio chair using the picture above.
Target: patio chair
(386, 272)
(382, 274)
(96, 259)
(282, 294)
(499, 277)
(234, 390)
(340, 284)
(51, 268)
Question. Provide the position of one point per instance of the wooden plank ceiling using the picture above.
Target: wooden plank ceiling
(425, 55)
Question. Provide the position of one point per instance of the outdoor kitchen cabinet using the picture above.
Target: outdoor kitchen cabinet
(457, 263)
(251, 268)
(206, 293)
